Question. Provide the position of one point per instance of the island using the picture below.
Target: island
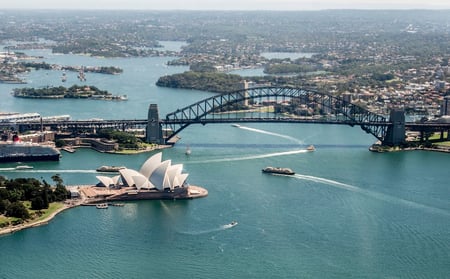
(73, 92)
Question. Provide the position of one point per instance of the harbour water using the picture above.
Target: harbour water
(346, 212)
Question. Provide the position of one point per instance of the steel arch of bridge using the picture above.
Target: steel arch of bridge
(337, 110)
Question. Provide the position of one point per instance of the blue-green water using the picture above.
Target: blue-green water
(346, 213)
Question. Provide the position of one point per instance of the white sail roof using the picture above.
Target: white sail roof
(127, 176)
(182, 178)
(105, 180)
(142, 182)
(153, 174)
(158, 175)
(172, 172)
(151, 164)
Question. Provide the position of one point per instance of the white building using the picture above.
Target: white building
(154, 174)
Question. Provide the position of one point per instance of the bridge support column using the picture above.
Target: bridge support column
(396, 133)
(154, 131)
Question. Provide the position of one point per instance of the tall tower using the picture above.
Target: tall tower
(396, 133)
(245, 87)
(154, 132)
(445, 108)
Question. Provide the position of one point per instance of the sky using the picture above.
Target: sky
(225, 4)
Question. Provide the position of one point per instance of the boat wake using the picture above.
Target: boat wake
(47, 171)
(270, 133)
(252, 157)
(218, 229)
(372, 194)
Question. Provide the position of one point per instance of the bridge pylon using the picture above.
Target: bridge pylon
(154, 131)
(395, 134)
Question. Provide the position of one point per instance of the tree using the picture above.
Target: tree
(18, 210)
(57, 179)
(4, 205)
(61, 193)
(38, 203)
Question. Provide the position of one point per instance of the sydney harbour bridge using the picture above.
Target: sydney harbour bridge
(259, 104)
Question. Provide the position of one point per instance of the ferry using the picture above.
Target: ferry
(102, 206)
(274, 170)
(110, 168)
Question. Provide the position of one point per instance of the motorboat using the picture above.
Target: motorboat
(23, 167)
(102, 206)
(233, 223)
(311, 148)
(275, 170)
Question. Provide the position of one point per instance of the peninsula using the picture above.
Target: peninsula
(156, 180)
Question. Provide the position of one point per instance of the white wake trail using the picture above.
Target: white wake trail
(252, 157)
(50, 171)
(379, 196)
(270, 133)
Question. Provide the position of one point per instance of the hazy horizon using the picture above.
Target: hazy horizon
(275, 5)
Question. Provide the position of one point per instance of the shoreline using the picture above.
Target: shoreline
(382, 149)
(20, 227)
(190, 192)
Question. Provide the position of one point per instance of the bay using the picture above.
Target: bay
(347, 212)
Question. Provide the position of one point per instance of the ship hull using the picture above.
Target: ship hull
(29, 158)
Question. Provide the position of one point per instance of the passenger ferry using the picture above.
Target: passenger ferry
(274, 170)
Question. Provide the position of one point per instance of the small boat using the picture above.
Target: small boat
(236, 125)
(68, 149)
(233, 223)
(23, 167)
(286, 171)
(110, 168)
(188, 150)
(102, 206)
(311, 148)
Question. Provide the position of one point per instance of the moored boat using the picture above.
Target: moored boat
(17, 151)
(275, 170)
(102, 206)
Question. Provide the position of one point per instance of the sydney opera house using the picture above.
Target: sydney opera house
(156, 179)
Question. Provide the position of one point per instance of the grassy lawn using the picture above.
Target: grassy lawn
(46, 212)
(54, 206)
(3, 220)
